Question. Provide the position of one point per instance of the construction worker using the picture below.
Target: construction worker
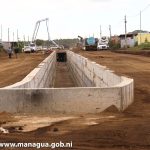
(9, 52)
(16, 50)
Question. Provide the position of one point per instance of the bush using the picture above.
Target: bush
(136, 44)
(145, 46)
(114, 46)
(1, 47)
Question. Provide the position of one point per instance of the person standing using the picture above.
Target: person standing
(16, 50)
(9, 52)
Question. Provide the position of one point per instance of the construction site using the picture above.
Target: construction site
(83, 93)
(69, 106)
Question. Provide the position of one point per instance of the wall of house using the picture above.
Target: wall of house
(130, 42)
(6, 45)
(143, 38)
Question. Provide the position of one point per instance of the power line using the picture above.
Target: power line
(138, 14)
(145, 8)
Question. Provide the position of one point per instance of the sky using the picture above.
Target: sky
(70, 18)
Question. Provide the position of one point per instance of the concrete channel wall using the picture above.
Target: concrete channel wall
(90, 74)
(100, 89)
(41, 77)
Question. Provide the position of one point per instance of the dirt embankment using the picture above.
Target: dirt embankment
(14, 70)
(134, 52)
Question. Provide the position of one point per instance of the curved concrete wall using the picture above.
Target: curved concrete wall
(109, 89)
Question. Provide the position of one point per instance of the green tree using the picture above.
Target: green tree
(39, 42)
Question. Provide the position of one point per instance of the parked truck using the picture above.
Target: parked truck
(90, 43)
(31, 48)
(103, 43)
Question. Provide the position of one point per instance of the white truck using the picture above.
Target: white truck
(103, 43)
(30, 48)
(33, 47)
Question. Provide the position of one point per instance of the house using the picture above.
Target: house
(130, 40)
(115, 39)
(6, 45)
(142, 38)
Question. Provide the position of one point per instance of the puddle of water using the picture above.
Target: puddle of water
(32, 123)
(94, 121)
(90, 123)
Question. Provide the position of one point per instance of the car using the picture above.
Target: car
(27, 49)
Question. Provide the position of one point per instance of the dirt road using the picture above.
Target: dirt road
(109, 130)
(14, 70)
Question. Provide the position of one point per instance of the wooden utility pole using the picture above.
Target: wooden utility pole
(110, 31)
(13, 39)
(24, 39)
(28, 40)
(17, 36)
(140, 27)
(125, 21)
(1, 32)
(8, 38)
(100, 32)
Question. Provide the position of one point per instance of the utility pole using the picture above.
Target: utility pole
(28, 39)
(13, 36)
(140, 27)
(8, 38)
(1, 32)
(17, 36)
(24, 39)
(13, 39)
(100, 32)
(110, 31)
(125, 21)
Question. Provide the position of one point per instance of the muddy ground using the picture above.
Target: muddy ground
(110, 130)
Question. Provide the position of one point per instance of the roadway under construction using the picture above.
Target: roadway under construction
(118, 127)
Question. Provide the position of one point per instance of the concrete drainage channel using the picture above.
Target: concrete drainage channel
(94, 88)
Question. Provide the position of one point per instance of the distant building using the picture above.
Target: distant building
(131, 40)
(115, 39)
(6, 45)
(142, 38)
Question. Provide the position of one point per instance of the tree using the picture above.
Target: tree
(39, 42)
